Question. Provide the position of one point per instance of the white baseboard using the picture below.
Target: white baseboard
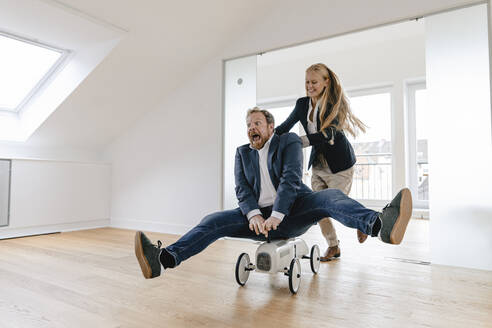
(7, 232)
(175, 229)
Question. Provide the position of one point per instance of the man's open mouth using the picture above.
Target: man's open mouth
(255, 137)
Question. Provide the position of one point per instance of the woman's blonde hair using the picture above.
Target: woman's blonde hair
(340, 108)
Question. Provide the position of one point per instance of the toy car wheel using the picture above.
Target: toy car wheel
(242, 274)
(294, 275)
(314, 259)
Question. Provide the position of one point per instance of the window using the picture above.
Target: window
(418, 131)
(281, 113)
(25, 65)
(373, 170)
(40, 67)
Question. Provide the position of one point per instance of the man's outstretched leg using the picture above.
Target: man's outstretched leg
(152, 258)
(389, 225)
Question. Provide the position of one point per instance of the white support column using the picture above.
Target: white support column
(460, 146)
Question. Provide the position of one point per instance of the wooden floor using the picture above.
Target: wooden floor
(91, 279)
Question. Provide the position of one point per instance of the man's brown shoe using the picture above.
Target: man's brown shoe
(331, 253)
(361, 236)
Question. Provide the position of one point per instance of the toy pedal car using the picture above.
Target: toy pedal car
(279, 256)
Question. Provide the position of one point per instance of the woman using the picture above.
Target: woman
(325, 115)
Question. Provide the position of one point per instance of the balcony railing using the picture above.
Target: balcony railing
(372, 177)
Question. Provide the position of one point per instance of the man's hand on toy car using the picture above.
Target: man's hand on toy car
(271, 223)
(256, 224)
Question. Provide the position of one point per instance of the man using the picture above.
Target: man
(274, 201)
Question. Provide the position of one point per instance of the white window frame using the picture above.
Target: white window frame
(38, 87)
(374, 90)
(411, 86)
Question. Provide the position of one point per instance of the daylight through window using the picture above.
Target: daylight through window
(24, 66)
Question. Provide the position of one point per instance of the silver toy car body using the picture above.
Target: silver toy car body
(279, 256)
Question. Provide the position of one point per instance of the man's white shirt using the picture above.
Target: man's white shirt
(267, 190)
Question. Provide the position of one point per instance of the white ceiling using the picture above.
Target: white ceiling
(166, 43)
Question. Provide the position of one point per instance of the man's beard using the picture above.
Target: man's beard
(258, 142)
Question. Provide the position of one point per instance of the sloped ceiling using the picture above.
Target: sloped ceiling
(166, 43)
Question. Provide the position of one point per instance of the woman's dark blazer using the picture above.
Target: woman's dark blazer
(339, 156)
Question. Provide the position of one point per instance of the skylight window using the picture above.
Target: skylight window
(24, 66)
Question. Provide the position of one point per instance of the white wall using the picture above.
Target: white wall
(166, 175)
(460, 150)
(166, 169)
(50, 196)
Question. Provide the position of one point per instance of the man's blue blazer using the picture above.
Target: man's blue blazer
(285, 168)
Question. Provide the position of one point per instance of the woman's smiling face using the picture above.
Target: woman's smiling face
(315, 84)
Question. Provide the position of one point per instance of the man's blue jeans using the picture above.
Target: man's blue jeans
(306, 211)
